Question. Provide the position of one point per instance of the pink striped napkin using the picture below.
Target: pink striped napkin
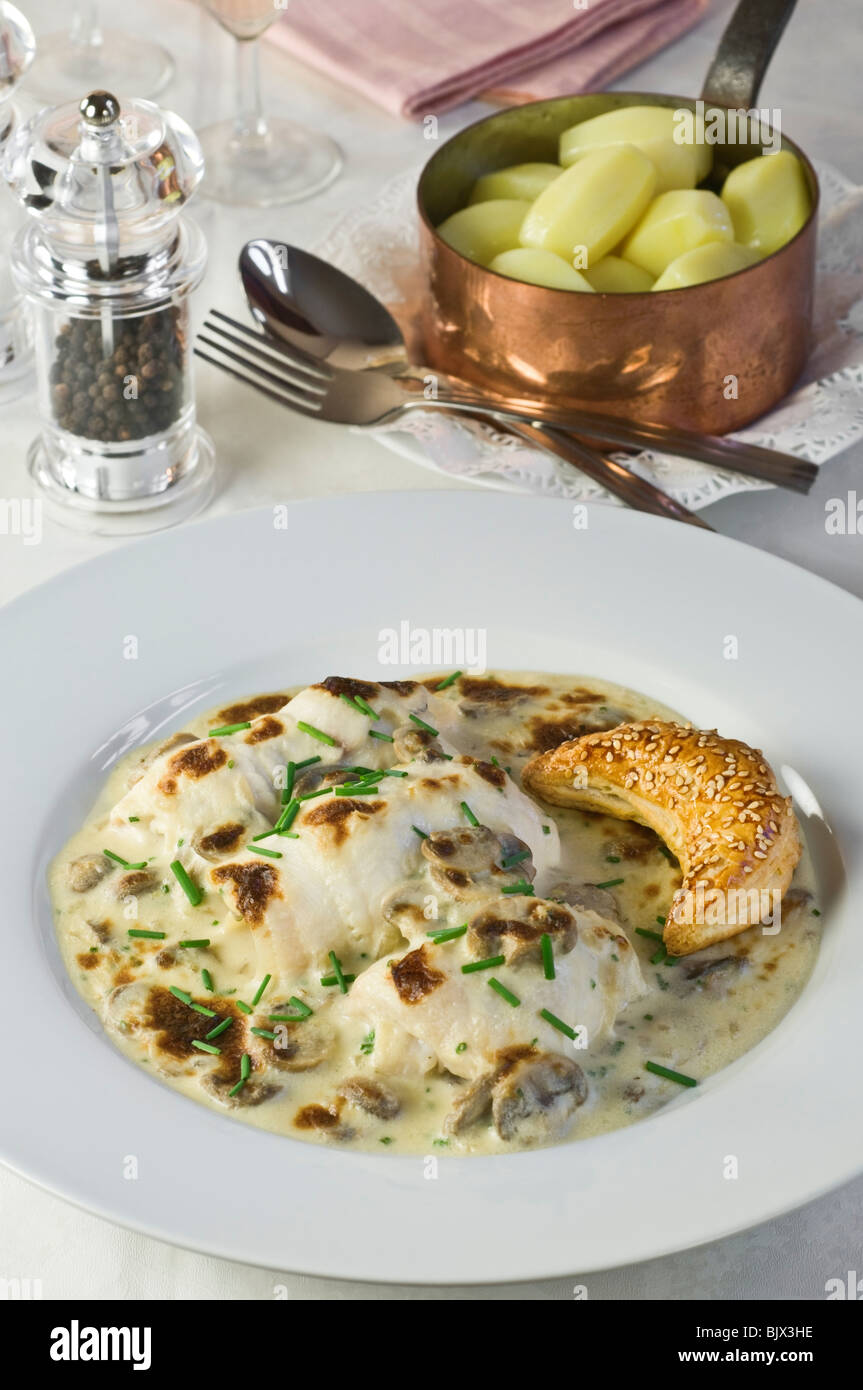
(418, 57)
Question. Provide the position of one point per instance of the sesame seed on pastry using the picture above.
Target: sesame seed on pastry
(713, 800)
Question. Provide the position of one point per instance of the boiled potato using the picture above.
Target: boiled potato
(676, 222)
(589, 207)
(709, 262)
(650, 129)
(518, 181)
(768, 200)
(614, 275)
(481, 232)
(539, 268)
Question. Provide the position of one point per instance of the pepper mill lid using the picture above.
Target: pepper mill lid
(104, 170)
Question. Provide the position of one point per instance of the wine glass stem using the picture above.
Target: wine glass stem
(250, 121)
(85, 27)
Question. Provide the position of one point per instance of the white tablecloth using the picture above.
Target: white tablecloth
(267, 456)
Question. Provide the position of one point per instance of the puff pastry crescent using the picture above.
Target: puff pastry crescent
(715, 803)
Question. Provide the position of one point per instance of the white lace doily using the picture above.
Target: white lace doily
(378, 245)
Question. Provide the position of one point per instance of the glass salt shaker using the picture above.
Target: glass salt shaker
(108, 265)
(17, 48)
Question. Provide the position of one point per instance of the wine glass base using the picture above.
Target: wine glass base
(120, 63)
(180, 502)
(282, 165)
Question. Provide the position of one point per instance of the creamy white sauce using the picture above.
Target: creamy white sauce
(698, 1016)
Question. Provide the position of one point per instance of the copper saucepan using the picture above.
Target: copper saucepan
(709, 358)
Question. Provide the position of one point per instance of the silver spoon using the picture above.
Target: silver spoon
(296, 296)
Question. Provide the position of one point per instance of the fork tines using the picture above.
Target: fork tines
(285, 373)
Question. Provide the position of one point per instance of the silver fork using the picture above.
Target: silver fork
(313, 387)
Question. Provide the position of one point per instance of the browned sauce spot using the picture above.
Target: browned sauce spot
(166, 958)
(123, 977)
(414, 977)
(546, 734)
(223, 839)
(254, 885)
(252, 709)
(316, 1117)
(489, 773)
(346, 685)
(651, 890)
(457, 878)
(507, 1057)
(88, 960)
(267, 729)
(336, 815)
(493, 692)
(400, 687)
(580, 696)
(177, 1026)
(196, 761)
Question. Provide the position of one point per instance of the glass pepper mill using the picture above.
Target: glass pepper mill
(108, 265)
(17, 49)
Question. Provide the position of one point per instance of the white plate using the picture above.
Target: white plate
(230, 606)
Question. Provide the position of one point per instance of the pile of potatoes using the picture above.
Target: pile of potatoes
(623, 212)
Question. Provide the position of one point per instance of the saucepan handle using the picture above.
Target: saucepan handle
(737, 71)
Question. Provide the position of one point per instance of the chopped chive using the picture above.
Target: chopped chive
(612, 859)
(329, 980)
(268, 853)
(191, 890)
(522, 887)
(450, 680)
(468, 814)
(207, 981)
(181, 994)
(230, 762)
(504, 992)
(422, 834)
(609, 883)
(649, 1017)
(149, 935)
(661, 921)
(302, 1009)
(245, 1066)
(645, 931)
(133, 819)
(486, 964)
(547, 956)
(260, 990)
(387, 738)
(229, 729)
(386, 1139)
(243, 1006)
(337, 967)
(124, 863)
(201, 944)
(367, 1046)
(461, 1047)
(202, 1009)
(670, 1075)
(349, 700)
(356, 789)
(263, 1033)
(391, 772)
(421, 724)
(308, 762)
(288, 835)
(165, 888)
(546, 830)
(315, 733)
(512, 859)
(557, 1023)
(206, 1047)
(446, 934)
(659, 955)
(239, 1086)
(265, 834)
(362, 704)
(671, 960)
(310, 796)
(219, 1028)
(288, 788)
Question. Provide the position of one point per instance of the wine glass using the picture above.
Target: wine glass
(88, 57)
(255, 160)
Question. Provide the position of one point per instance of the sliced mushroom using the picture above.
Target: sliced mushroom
(515, 926)
(586, 896)
(470, 848)
(100, 930)
(314, 779)
(139, 881)
(472, 1103)
(405, 907)
(175, 741)
(715, 975)
(372, 1096)
(221, 842)
(84, 873)
(410, 742)
(252, 1093)
(535, 1097)
(511, 845)
(297, 1046)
